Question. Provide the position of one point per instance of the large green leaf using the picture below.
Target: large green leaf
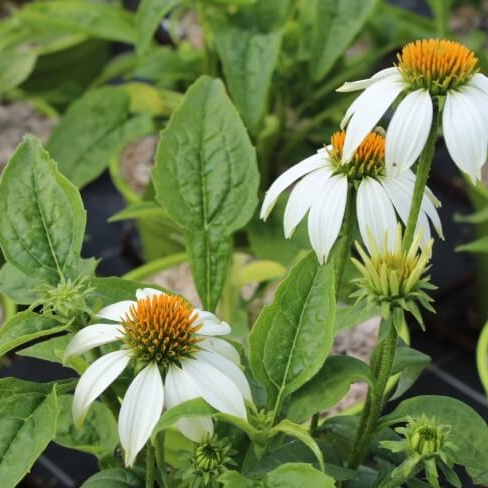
(148, 16)
(92, 18)
(42, 219)
(327, 387)
(206, 176)
(15, 67)
(114, 478)
(24, 327)
(292, 337)
(98, 434)
(28, 413)
(92, 131)
(335, 24)
(469, 431)
(249, 59)
(23, 289)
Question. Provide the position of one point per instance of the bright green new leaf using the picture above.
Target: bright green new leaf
(297, 475)
(24, 327)
(335, 25)
(206, 177)
(327, 387)
(249, 59)
(114, 478)
(93, 130)
(469, 431)
(28, 413)
(233, 479)
(15, 67)
(258, 271)
(292, 337)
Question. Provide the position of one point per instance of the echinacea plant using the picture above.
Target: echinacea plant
(168, 393)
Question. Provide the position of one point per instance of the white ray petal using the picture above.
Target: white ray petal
(326, 216)
(349, 86)
(215, 388)
(479, 81)
(116, 311)
(140, 411)
(376, 214)
(95, 380)
(305, 193)
(92, 336)
(229, 369)
(287, 178)
(211, 329)
(408, 131)
(366, 111)
(480, 99)
(464, 133)
(221, 347)
(180, 387)
(147, 292)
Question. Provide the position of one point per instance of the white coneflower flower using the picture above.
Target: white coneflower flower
(325, 186)
(181, 360)
(426, 70)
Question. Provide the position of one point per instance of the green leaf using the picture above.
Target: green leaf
(23, 289)
(15, 67)
(98, 435)
(302, 435)
(148, 16)
(140, 210)
(478, 245)
(335, 25)
(42, 218)
(93, 130)
(233, 479)
(114, 478)
(249, 59)
(206, 176)
(297, 475)
(92, 18)
(28, 413)
(258, 271)
(469, 431)
(292, 337)
(480, 476)
(348, 316)
(327, 387)
(24, 327)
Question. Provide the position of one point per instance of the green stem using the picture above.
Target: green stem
(150, 465)
(376, 397)
(423, 169)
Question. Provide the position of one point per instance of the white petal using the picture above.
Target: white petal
(92, 336)
(465, 133)
(480, 99)
(221, 347)
(366, 111)
(362, 84)
(95, 380)
(147, 292)
(479, 81)
(116, 311)
(212, 329)
(305, 193)
(287, 178)
(180, 387)
(376, 215)
(229, 369)
(408, 131)
(326, 215)
(215, 388)
(140, 411)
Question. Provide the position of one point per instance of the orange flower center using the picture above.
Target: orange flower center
(160, 328)
(437, 65)
(368, 160)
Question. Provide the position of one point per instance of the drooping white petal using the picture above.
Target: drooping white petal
(92, 336)
(213, 329)
(221, 347)
(479, 81)
(326, 215)
(376, 215)
(228, 368)
(215, 387)
(95, 380)
(365, 112)
(180, 387)
(287, 178)
(349, 86)
(408, 131)
(116, 311)
(464, 133)
(480, 99)
(147, 292)
(140, 411)
(305, 193)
